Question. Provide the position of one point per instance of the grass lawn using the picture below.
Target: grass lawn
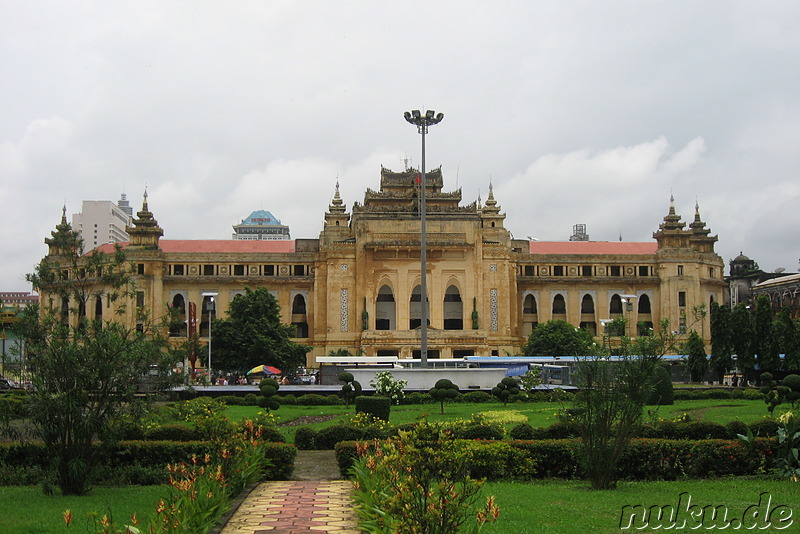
(26, 510)
(566, 507)
(537, 413)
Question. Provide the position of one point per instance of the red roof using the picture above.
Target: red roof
(591, 247)
(219, 246)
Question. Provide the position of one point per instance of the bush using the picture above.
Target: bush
(643, 459)
(328, 437)
(418, 398)
(288, 399)
(764, 428)
(313, 399)
(477, 397)
(736, 428)
(480, 431)
(703, 430)
(305, 438)
(174, 432)
(251, 399)
(663, 393)
(522, 431)
(561, 431)
(375, 406)
(231, 400)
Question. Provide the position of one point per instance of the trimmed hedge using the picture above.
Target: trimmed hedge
(717, 393)
(376, 406)
(173, 432)
(143, 456)
(644, 459)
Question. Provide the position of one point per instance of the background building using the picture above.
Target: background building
(357, 286)
(261, 225)
(102, 221)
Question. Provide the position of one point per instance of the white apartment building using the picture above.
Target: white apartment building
(102, 221)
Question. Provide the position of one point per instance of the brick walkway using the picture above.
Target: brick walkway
(294, 507)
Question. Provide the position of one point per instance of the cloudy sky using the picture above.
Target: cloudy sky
(577, 112)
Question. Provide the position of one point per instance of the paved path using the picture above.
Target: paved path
(313, 503)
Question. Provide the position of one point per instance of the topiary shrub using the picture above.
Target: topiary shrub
(505, 388)
(328, 437)
(305, 438)
(792, 382)
(663, 394)
(375, 406)
(444, 390)
(269, 388)
(351, 388)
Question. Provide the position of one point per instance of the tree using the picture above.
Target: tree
(787, 339)
(269, 388)
(721, 359)
(742, 339)
(351, 388)
(764, 342)
(608, 410)
(558, 338)
(505, 388)
(443, 390)
(253, 335)
(84, 371)
(697, 362)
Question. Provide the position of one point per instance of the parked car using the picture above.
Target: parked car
(7, 383)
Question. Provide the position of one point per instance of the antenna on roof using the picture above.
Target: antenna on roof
(458, 167)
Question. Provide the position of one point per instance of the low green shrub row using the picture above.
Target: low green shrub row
(659, 430)
(146, 457)
(326, 439)
(718, 393)
(314, 399)
(644, 459)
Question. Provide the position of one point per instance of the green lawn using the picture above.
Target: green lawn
(537, 414)
(26, 510)
(567, 507)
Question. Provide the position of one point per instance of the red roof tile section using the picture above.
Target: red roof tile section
(591, 247)
(216, 246)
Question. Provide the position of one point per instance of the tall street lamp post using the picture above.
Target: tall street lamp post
(211, 307)
(422, 122)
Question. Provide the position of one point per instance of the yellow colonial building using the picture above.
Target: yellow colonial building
(357, 287)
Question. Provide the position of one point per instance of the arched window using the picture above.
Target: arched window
(616, 305)
(529, 304)
(415, 309)
(385, 309)
(453, 309)
(178, 325)
(644, 305)
(298, 305)
(98, 308)
(559, 305)
(587, 304)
